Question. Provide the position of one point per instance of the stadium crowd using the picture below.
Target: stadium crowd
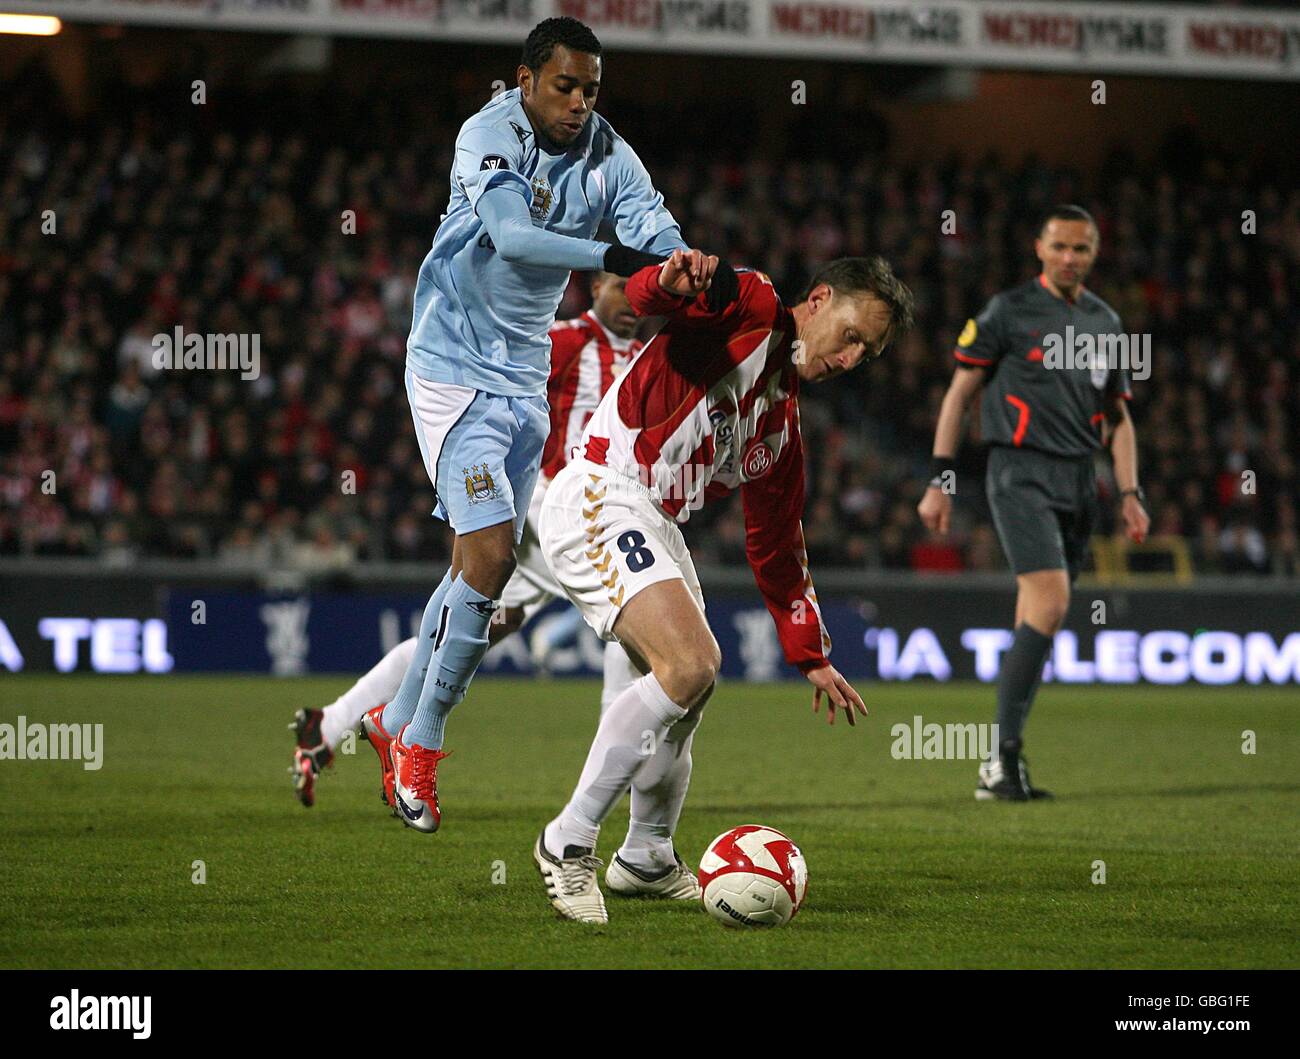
(237, 227)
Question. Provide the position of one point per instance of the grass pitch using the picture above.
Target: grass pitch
(1200, 841)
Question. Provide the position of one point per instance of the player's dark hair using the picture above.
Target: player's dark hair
(1066, 212)
(868, 275)
(541, 42)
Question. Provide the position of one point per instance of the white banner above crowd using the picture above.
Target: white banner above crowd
(1182, 40)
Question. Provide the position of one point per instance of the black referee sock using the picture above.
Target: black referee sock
(1022, 668)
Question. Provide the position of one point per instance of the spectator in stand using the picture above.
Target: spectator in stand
(238, 231)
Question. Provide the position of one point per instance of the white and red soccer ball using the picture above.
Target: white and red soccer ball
(753, 876)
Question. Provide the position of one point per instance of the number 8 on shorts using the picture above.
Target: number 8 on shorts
(632, 544)
(606, 540)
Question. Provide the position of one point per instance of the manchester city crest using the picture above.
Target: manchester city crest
(543, 196)
(479, 485)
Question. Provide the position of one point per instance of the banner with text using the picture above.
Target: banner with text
(1179, 40)
(888, 635)
(935, 630)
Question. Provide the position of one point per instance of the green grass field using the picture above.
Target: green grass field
(1200, 841)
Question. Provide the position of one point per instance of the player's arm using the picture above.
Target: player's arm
(508, 221)
(935, 508)
(673, 289)
(978, 348)
(635, 208)
(641, 220)
(506, 216)
(774, 546)
(487, 169)
(1124, 454)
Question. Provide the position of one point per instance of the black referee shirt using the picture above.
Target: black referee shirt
(1029, 401)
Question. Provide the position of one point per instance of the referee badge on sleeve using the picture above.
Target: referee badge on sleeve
(967, 335)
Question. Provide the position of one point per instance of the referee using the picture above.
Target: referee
(1043, 417)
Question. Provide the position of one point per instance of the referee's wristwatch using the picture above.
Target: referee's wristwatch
(1136, 491)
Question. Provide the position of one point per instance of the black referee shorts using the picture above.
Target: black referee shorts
(1043, 508)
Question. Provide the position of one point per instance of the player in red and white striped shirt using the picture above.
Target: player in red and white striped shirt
(587, 355)
(710, 405)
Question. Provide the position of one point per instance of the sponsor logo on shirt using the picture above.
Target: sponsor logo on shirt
(722, 429)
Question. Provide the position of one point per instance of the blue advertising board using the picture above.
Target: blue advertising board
(891, 636)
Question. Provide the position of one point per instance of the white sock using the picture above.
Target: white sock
(620, 673)
(658, 793)
(630, 731)
(379, 685)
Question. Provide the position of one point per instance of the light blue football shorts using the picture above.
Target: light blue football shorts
(483, 452)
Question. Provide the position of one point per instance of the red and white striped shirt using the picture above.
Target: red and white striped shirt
(586, 358)
(710, 405)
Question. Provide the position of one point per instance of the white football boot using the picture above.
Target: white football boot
(1006, 777)
(677, 883)
(571, 881)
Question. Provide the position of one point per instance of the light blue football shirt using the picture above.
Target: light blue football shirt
(482, 321)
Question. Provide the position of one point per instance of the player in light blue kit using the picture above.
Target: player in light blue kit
(535, 173)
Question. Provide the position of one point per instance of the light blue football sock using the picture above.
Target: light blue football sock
(458, 650)
(402, 707)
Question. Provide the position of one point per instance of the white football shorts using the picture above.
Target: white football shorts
(606, 540)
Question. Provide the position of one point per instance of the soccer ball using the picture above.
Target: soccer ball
(753, 876)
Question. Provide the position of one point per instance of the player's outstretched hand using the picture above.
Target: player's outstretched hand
(935, 510)
(687, 272)
(1136, 520)
(839, 694)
